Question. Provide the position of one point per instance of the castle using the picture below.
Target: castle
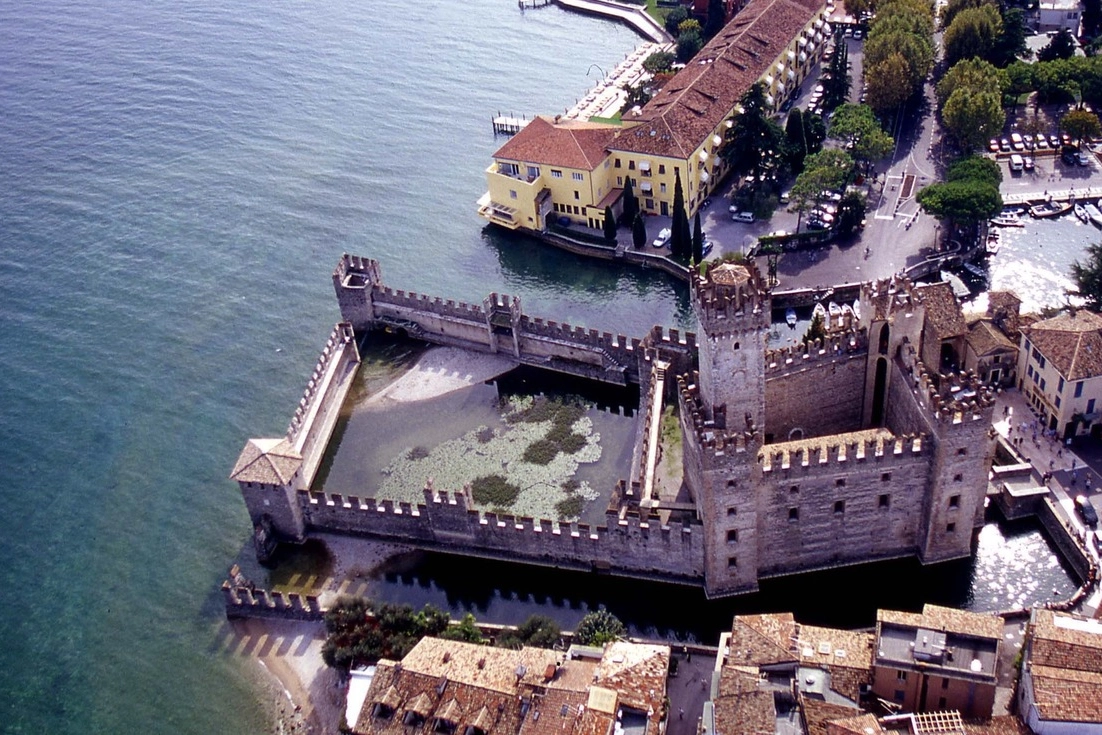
(850, 449)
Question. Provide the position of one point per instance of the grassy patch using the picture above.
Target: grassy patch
(570, 507)
(494, 490)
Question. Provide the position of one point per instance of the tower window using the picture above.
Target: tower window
(840, 482)
(736, 345)
(794, 489)
(793, 514)
(950, 528)
(732, 512)
(732, 536)
(839, 507)
(958, 477)
(885, 477)
(954, 502)
(885, 501)
(962, 451)
(732, 562)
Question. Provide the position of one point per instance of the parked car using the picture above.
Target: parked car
(858, 35)
(1081, 158)
(1017, 163)
(785, 197)
(1054, 140)
(1016, 142)
(1085, 510)
(993, 145)
(733, 209)
(1069, 155)
(664, 236)
(1004, 145)
(1028, 163)
(746, 217)
(707, 248)
(1041, 141)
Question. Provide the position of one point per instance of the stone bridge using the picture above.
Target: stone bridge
(498, 326)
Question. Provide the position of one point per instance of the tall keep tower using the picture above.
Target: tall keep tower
(733, 307)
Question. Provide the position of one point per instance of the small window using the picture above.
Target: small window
(941, 702)
(731, 484)
(732, 536)
(1079, 389)
(1029, 371)
(661, 168)
(556, 174)
(901, 676)
(840, 482)
(533, 172)
(736, 345)
(962, 451)
(1042, 383)
(617, 164)
(1057, 401)
(899, 695)
(944, 683)
(954, 502)
(794, 489)
(631, 165)
(839, 507)
(885, 501)
(578, 177)
(885, 477)
(662, 188)
(512, 194)
(950, 528)
(1060, 386)
(793, 514)
(619, 181)
(732, 512)
(732, 562)
(958, 477)
(577, 195)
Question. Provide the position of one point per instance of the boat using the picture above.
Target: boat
(1049, 209)
(857, 310)
(992, 246)
(1080, 212)
(790, 317)
(960, 290)
(1093, 214)
(834, 309)
(1008, 220)
(820, 311)
(975, 270)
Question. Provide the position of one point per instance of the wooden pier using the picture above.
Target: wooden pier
(508, 125)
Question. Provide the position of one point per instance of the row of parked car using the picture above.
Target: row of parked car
(1018, 142)
(666, 234)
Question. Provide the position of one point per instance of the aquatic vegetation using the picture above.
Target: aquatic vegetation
(563, 428)
(417, 453)
(570, 507)
(494, 490)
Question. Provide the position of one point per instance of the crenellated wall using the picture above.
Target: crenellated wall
(445, 521)
(249, 602)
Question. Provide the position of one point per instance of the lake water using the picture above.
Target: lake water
(179, 180)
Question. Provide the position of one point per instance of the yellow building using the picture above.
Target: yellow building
(575, 170)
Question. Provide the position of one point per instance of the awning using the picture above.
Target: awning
(645, 186)
(803, 57)
(791, 75)
(703, 155)
(644, 165)
(780, 69)
(704, 176)
(791, 55)
(769, 80)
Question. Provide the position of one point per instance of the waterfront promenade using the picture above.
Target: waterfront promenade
(633, 15)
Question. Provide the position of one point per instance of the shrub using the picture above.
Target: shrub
(417, 453)
(571, 485)
(598, 628)
(570, 507)
(485, 434)
(494, 490)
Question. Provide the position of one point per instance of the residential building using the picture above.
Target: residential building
(1060, 371)
(447, 687)
(943, 659)
(990, 354)
(1058, 15)
(556, 169)
(1060, 691)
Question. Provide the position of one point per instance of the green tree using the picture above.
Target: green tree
(1019, 80)
(675, 18)
(698, 240)
(1080, 124)
(465, 630)
(610, 224)
(431, 621)
(889, 83)
(753, 140)
(857, 8)
(538, 630)
(631, 202)
(858, 128)
(1011, 44)
(976, 74)
(836, 83)
(690, 25)
(1088, 277)
(975, 168)
(815, 132)
(658, 62)
(974, 32)
(717, 17)
(949, 12)
(688, 44)
(598, 628)
(639, 231)
(961, 201)
(815, 330)
(973, 117)
(680, 237)
(851, 212)
(825, 171)
(1062, 46)
(795, 140)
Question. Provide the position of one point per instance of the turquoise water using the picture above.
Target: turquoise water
(179, 180)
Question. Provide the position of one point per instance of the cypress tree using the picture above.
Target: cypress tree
(639, 231)
(610, 224)
(698, 240)
(631, 204)
(679, 239)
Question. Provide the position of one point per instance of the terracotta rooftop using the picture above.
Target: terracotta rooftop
(1065, 641)
(692, 104)
(1002, 725)
(1004, 307)
(1071, 342)
(986, 339)
(761, 640)
(948, 620)
(743, 705)
(943, 311)
(859, 725)
(845, 654)
(567, 143)
(638, 672)
(1064, 695)
(270, 461)
(817, 714)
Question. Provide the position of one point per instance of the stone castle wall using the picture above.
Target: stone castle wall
(828, 374)
(625, 545)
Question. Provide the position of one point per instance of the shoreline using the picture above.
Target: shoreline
(437, 372)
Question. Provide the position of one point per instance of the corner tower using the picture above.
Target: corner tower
(732, 305)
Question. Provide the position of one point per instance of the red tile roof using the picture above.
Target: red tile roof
(567, 143)
(1071, 341)
(700, 96)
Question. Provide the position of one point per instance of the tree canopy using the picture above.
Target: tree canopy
(359, 632)
(976, 168)
(974, 32)
(1080, 124)
(949, 12)
(1088, 277)
(1062, 46)
(754, 139)
(598, 628)
(970, 96)
(675, 18)
(969, 194)
(539, 631)
(899, 52)
(857, 126)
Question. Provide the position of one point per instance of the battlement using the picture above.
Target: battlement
(247, 601)
(548, 329)
(430, 304)
(708, 434)
(883, 297)
(354, 271)
(819, 351)
(954, 398)
(339, 339)
(841, 450)
(730, 292)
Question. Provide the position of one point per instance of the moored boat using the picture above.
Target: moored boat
(790, 317)
(960, 290)
(1093, 214)
(1007, 220)
(1080, 212)
(1050, 209)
